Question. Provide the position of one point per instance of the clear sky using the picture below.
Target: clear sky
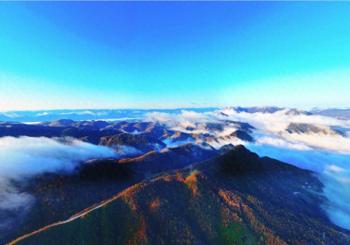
(180, 54)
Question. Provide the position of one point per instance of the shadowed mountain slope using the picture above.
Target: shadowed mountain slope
(236, 198)
(168, 159)
(60, 195)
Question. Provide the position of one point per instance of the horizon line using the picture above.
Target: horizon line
(171, 108)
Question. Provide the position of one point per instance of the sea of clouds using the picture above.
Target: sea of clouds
(328, 155)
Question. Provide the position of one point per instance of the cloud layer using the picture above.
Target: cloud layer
(333, 170)
(272, 127)
(24, 157)
(326, 152)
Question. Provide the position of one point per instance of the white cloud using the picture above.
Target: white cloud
(24, 157)
(272, 128)
(124, 150)
(44, 113)
(278, 121)
(182, 121)
(86, 112)
(11, 198)
(282, 143)
(333, 170)
(10, 114)
(335, 143)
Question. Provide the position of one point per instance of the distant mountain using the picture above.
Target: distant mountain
(87, 114)
(296, 112)
(337, 113)
(264, 110)
(56, 116)
(305, 128)
(141, 136)
(236, 198)
(242, 135)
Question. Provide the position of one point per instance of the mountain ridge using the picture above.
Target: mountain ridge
(213, 204)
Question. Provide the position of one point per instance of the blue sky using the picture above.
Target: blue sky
(181, 54)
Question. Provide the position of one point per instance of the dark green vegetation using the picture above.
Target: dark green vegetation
(236, 198)
(59, 196)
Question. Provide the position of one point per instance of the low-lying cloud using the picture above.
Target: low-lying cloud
(24, 157)
(183, 120)
(272, 126)
(326, 151)
(333, 170)
(28, 156)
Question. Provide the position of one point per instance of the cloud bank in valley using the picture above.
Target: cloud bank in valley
(333, 170)
(325, 151)
(271, 128)
(24, 157)
(183, 120)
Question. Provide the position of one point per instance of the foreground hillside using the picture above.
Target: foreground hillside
(236, 198)
(57, 196)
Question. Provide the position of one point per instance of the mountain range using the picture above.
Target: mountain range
(122, 114)
(176, 177)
